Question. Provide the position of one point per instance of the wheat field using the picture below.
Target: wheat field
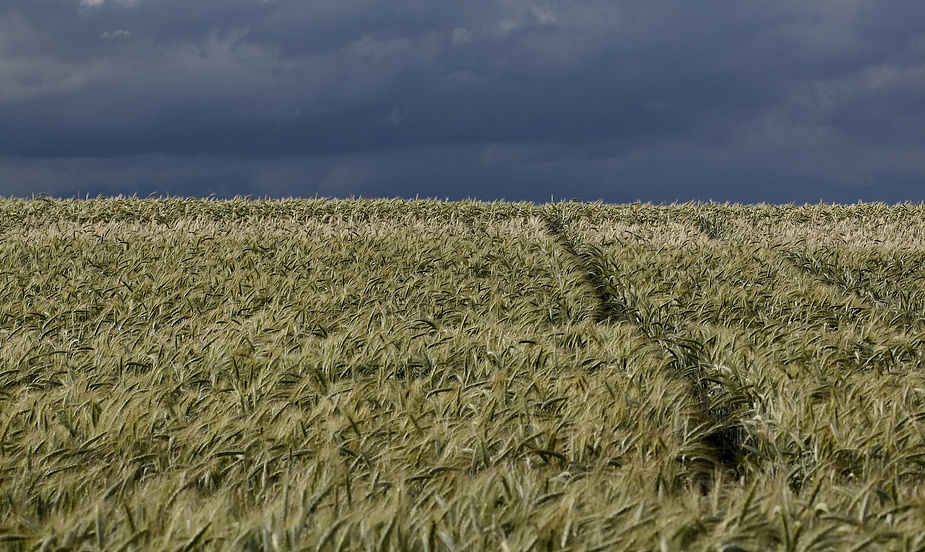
(187, 374)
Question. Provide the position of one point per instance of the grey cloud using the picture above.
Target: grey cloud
(665, 99)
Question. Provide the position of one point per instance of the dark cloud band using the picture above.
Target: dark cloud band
(772, 101)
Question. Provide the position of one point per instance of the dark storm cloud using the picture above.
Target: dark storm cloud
(660, 100)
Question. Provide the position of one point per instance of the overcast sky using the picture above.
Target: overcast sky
(657, 100)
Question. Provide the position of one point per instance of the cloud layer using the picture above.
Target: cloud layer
(619, 100)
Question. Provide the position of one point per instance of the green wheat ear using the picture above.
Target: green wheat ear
(181, 374)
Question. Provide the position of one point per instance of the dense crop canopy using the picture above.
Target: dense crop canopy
(341, 375)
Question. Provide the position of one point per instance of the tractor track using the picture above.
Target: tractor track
(725, 440)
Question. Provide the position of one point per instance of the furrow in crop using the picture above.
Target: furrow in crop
(609, 305)
(719, 434)
(890, 282)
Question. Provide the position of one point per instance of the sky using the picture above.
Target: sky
(776, 101)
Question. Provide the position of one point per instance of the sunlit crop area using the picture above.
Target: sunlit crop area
(423, 375)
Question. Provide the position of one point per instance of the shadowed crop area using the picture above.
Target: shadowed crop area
(422, 375)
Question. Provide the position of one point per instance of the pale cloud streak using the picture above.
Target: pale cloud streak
(91, 4)
(115, 35)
